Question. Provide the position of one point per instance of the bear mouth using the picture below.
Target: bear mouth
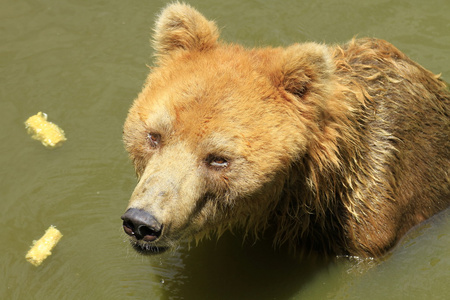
(148, 249)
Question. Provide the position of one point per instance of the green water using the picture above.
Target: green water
(83, 62)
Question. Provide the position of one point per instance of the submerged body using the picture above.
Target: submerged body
(338, 150)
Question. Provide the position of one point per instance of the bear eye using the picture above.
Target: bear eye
(217, 162)
(154, 139)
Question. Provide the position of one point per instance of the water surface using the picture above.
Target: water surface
(82, 63)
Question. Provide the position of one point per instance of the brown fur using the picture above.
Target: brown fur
(338, 150)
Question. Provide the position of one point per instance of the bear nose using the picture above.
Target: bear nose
(142, 225)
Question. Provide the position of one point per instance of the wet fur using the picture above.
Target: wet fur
(351, 151)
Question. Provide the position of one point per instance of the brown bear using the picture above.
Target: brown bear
(336, 150)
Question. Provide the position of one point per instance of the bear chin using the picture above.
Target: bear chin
(148, 249)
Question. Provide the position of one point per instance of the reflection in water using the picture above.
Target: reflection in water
(228, 269)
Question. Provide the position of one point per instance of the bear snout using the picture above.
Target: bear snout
(141, 224)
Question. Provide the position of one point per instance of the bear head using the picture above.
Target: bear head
(216, 129)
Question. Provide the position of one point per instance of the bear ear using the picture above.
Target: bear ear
(181, 27)
(306, 69)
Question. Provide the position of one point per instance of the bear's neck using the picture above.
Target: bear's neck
(317, 201)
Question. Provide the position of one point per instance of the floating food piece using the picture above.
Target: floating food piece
(41, 248)
(48, 133)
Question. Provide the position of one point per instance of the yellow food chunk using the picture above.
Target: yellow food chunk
(47, 132)
(41, 248)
